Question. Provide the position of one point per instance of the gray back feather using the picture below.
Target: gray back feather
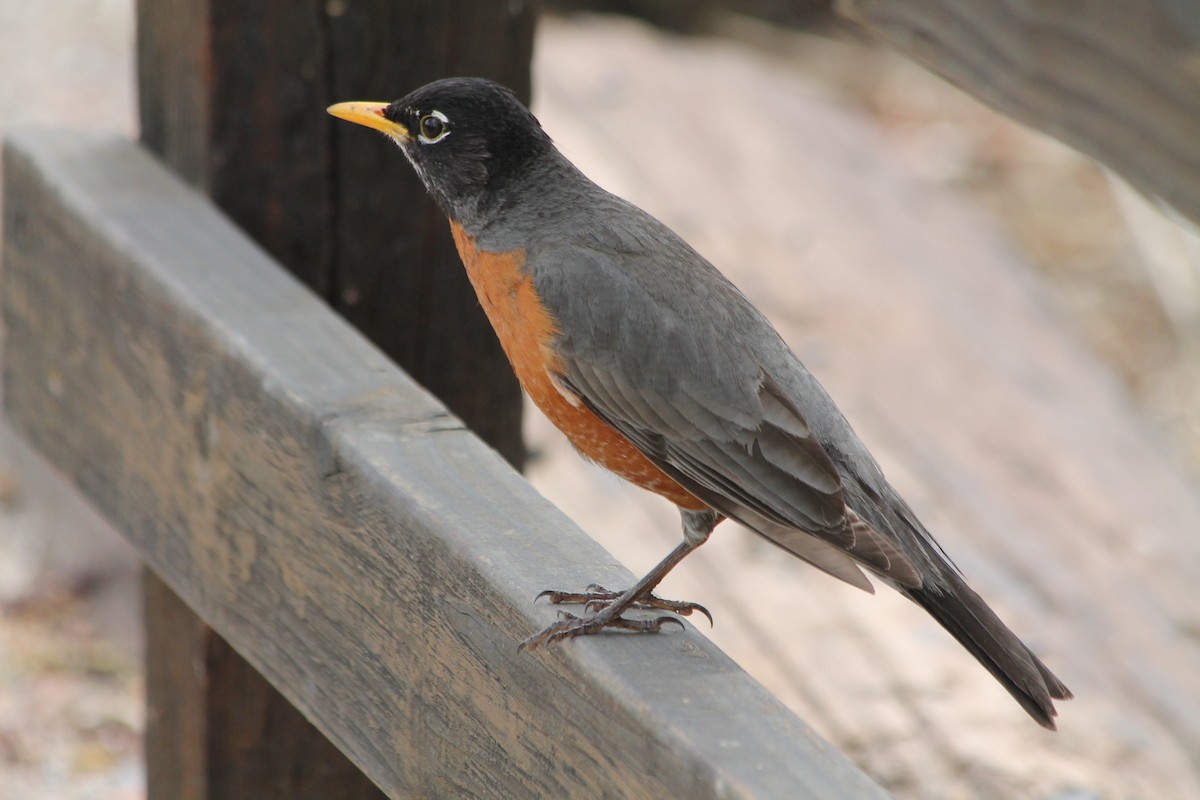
(663, 347)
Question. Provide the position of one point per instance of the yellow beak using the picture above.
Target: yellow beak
(371, 115)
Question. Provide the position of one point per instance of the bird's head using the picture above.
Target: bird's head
(467, 138)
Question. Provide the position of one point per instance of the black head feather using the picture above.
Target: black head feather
(469, 138)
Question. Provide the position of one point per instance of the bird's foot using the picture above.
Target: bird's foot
(595, 598)
(569, 626)
(605, 612)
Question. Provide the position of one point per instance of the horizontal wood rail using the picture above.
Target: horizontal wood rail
(361, 549)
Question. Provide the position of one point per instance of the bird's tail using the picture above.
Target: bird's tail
(969, 620)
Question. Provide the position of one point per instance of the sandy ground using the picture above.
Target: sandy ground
(70, 713)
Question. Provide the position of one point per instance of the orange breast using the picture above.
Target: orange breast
(527, 332)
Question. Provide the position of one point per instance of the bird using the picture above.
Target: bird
(656, 367)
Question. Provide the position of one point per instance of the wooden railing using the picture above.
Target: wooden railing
(331, 521)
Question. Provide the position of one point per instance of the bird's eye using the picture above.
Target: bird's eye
(433, 127)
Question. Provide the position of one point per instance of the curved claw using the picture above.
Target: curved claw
(696, 607)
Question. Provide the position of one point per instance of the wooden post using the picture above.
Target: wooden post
(239, 112)
(232, 96)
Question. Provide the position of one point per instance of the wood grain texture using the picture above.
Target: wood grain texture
(1118, 81)
(230, 95)
(364, 552)
(270, 167)
(174, 66)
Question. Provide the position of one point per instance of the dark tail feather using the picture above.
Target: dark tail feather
(969, 620)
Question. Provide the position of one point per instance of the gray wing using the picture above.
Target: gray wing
(681, 364)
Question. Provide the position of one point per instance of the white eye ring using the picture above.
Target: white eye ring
(433, 127)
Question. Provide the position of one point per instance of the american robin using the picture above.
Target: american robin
(656, 367)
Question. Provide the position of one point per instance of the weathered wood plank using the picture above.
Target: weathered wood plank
(363, 551)
(1118, 81)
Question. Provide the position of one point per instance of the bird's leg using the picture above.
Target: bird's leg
(609, 606)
